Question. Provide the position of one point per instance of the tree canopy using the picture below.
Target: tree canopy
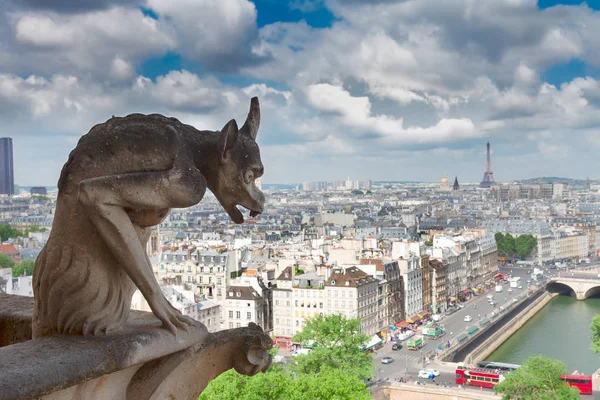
(25, 267)
(6, 261)
(337, 344)
(324, 373)
(509, 246)
(537, 379)
(595, 328)
(7, 232)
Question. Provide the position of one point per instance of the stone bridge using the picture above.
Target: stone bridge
(582, 286)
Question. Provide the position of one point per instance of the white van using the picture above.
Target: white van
(499, 288)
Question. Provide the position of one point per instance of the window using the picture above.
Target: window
(238, 325)
(248, 315)
(287, 303)
(276, 302)
(230, 314)
(231, 325)
(218, 281)
(209, 322)
(238, 314)
(201, 278)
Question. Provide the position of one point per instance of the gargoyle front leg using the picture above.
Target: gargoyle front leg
(107, 198)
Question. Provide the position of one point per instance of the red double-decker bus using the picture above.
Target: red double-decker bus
(581, 382)
(484, 377)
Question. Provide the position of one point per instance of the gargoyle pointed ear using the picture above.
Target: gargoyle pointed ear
(227, 138)
(252, 123)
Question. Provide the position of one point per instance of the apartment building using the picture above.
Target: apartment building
(247, 300)
(353, 293)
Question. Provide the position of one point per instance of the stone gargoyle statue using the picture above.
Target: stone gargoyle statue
(121, 179)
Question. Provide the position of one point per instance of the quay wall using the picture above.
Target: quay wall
(459, 352)
(494, 340)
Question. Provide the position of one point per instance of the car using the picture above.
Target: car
(435, 372)
(426, 374)
(460, 306)
(387, 360)
(509, 290)
(490, 297)
(468, 318)
(450, 311)
(520, 286)
(397, 346)
(493, 304)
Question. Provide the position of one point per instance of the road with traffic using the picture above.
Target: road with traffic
(408, 363)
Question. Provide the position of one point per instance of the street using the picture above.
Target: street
(408, 363)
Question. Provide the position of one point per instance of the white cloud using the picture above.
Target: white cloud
(50, 43)
(220, 34)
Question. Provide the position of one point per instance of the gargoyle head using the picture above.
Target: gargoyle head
(239, 167)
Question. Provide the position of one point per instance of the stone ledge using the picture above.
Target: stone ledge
(15, 319)
(34, 368)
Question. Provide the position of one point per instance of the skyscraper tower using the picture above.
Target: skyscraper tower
(7, 177)
(488, 175)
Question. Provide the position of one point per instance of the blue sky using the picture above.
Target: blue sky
(369, 89)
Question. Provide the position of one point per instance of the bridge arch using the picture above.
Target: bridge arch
(561, 288)
(592, 292)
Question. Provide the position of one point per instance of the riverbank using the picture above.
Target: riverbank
(500, 336)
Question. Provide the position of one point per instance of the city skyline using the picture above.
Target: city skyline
(388, 91)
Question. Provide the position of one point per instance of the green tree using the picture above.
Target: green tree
(499, 236)
(537, 379)
(325, 373)
(6, 261)
(277, 384)
(524, 245)
(7, 232)
(23, 268)
(329, 383)
(337, 343)
(595, 328)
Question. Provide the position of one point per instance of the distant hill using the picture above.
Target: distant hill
(552, 179)
(277, 186)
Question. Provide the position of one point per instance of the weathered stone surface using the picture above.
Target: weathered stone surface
(15, 319)
(121, 179)
(142, 361)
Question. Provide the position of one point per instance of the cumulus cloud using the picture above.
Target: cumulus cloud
(220, 34)
(48, 43)
(355, 112)
(397, 80)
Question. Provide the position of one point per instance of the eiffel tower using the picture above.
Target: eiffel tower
(488, 175)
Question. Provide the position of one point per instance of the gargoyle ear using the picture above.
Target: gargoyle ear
(227, 138)
(252, 123)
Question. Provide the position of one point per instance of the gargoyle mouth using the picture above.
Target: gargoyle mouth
(237, 216)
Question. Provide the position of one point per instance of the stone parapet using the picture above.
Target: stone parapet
(141, 361)
(404, 391)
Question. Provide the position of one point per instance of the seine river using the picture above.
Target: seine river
(560, 330)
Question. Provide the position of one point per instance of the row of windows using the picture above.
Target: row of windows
(238, 314)
(478, 378)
